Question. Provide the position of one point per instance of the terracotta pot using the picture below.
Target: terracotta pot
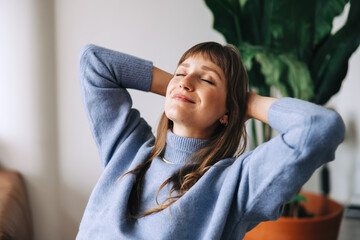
(325, 224)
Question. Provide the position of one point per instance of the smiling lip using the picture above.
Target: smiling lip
(182, 98)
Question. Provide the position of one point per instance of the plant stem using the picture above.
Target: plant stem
(253, 134)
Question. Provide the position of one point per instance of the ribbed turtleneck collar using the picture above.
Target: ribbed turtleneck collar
(179, 149)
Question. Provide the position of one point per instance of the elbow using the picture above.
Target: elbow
(85, 55)
(85, 49)
(334, 127)
(92, 69)
(327, 132)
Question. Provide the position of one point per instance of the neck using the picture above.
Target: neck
(191, 132)
(179, 149)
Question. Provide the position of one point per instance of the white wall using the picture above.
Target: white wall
(28, 105)
(43, 128)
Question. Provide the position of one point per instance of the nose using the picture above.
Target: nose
(186, 83)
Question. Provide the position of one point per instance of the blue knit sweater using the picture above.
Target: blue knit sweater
(229, 199)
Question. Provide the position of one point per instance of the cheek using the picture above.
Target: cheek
(169, 90)
(216, 102)
(171, 86)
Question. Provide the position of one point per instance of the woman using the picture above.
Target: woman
(194, 180)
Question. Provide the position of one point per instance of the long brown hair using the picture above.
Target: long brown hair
(226, 141)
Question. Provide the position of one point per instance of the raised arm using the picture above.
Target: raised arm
(104, 77)
(271, 174)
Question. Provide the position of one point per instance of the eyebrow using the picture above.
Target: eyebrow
(212, 70)
(204, 68)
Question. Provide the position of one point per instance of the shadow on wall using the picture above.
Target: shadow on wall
(352, 142)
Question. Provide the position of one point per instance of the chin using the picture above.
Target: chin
(178, 115)
(172, 115)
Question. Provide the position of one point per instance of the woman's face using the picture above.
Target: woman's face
(196, 98)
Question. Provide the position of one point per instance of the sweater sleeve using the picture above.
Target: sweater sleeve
(104, 77)
(276, 170)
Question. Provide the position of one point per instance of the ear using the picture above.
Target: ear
(224, 119)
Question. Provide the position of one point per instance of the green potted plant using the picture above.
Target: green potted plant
(288, 48)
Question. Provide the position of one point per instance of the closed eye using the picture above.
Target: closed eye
(207, 81)
(180, 75)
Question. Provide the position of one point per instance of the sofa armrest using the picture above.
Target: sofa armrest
(15, 217)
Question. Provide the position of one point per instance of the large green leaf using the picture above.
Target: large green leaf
(248, 52)
(226, 19)
(285, 72)
(292, 27)
(354, 15)
(325, 11)
(330, 63)
(274, 71)
(253, 68)
(255, 21)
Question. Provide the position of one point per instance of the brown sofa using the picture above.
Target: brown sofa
(15, 217)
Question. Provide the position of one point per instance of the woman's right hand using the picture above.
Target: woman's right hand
(258, 106)
(160, 81)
